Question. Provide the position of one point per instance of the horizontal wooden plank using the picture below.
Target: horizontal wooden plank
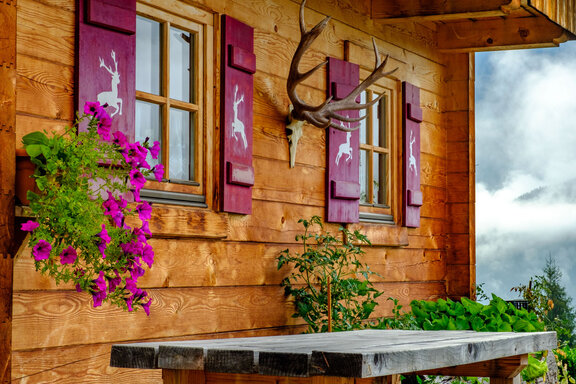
(45, 89)
(458, 281)
(461, 218)
(27, 124)
(436, 10)
(199, 263)
(276, 181)
(434, 202)
(433, 170)
(458, 248)
(500, 34)
(46, 32)
(458, 126)
(460, 187)
(271, 142)
(382, 235)
(182, 222)
(45, 319)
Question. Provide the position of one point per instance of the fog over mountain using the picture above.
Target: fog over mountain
(526, 166)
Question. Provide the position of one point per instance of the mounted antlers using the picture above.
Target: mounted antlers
(322, 115)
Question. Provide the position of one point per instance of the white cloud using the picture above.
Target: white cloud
(526, 139)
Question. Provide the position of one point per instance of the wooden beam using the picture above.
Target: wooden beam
(504, 368)
(441, 10)
(500, 34)
(7, 179)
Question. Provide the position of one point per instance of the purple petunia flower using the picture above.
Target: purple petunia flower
(113, 283)
(103, 128)
(137, 179)
(145, 228)
(155, 150)
(68, 256)
(159, 172)
(148, 255)
(144, 211)
(146, 307)
(41, 250)
(92, 108)
(119, 139)
(29, 226)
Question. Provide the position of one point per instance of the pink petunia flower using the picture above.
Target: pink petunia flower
(41, 250)
(155, 149)
(29, 226)
(68, 256)
(159, 172)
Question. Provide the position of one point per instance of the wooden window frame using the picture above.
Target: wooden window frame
(387, 213)
(200, 24)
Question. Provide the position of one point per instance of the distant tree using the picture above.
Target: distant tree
(548, 298)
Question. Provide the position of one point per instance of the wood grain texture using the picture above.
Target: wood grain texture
(46, 31)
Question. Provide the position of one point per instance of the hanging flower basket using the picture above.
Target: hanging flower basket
(88, 184)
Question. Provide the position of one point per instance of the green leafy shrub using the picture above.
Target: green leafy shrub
(497, 316)
(329, 271)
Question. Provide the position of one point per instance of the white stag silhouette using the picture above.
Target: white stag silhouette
(237, 125)
(111, 97)
(345, 148)
(412, 159)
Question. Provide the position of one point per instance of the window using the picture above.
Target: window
(378, 154)
(172, 74)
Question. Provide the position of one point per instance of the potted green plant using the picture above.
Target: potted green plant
(89, 183)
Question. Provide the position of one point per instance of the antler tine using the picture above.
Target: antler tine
(376, 53)
(295, 77)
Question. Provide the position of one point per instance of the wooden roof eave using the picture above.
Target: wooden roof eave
(501, 34)
(487, 25)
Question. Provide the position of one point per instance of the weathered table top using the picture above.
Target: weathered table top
(366, 353)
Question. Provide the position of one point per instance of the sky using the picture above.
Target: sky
(525, 166)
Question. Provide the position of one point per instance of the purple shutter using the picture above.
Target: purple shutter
(412, 117)
(342, 153)
(238, 66)
(106, 61)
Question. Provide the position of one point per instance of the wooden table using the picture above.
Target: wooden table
(368, 356)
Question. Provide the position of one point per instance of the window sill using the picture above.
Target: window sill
(382, 233)
(173, 198)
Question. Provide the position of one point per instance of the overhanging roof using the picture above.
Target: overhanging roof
(485, 25)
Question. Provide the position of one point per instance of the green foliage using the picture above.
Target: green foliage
(498, 316)
(549, 300)
(566, 358)
(537, 367)
(399, 320)
(329, 261)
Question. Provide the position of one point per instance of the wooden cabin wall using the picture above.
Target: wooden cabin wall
(215, 273)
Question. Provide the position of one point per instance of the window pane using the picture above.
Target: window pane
(379, 181)
(148, 124)
(363, 123)
(180, 64)
(147, 55)
(181, 145)
(364, 177)
(379, 122)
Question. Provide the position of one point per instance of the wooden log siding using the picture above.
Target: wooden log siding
(215, 273)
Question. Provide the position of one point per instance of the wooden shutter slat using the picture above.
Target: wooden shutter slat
(412, 117)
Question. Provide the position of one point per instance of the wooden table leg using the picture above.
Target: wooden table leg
(180, 376)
